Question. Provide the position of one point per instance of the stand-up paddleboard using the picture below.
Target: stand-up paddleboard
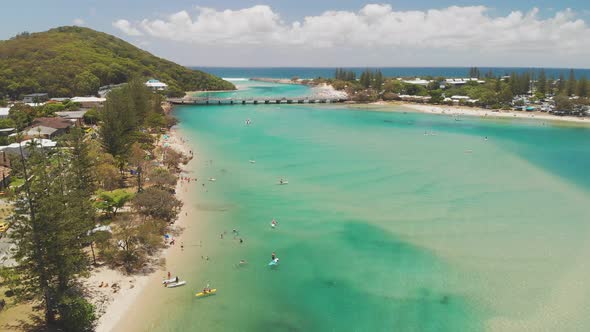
(274, 262)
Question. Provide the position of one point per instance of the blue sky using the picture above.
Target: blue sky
(178, 30)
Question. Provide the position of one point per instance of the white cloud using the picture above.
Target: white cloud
(79, 22)
(373, 25)
(127, 28)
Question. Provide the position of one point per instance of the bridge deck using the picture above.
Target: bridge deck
(255, 101)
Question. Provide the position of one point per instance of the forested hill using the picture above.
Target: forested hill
(70, 61)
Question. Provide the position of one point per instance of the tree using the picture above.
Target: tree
(563, 104)
(561, 85)
(542, 82)
(131, 242)
(162, 178)
(172, 158)
(111, 201)
(92, 117)
(378, 80)
(582, 88)
(119, 123)
(49, 240)
(86, 84)
(571, 84)
(157, 203)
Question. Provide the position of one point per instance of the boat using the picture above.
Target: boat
(212, 179)
(252, 161)
(176, 284)
(202, 294)
(167, 281)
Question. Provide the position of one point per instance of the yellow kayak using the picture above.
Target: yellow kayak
(211, 292)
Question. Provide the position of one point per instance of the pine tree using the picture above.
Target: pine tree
(561, 84)
(378, 81)
(582, 88)
(51, 222)
(542, 82)
(119, 123)
(571, 84)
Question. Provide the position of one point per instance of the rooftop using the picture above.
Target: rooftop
(40, 130)
(71, 114)
(88, 100)
(57, 123)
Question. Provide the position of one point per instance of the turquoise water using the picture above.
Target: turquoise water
(251, 89)
(381, 227)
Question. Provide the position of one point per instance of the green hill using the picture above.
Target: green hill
(70, 61)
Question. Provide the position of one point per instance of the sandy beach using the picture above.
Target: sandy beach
(484, 113)
(122, 292)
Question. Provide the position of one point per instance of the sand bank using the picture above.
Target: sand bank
(484, 113)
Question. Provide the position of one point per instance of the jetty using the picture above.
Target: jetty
(255, 101)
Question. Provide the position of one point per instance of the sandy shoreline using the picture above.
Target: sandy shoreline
(478, 112)
(113, 303)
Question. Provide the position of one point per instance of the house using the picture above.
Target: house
(40, 132)
(415, 99)
(35, 98)
(89, 102)
(461, 81)
(418, 81)
(48, 127)
(16, 147)
(4, 112)
(73, 116)
(156, 85)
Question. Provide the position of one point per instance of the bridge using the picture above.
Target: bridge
(255, 101)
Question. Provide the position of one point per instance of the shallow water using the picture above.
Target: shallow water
(390, 222)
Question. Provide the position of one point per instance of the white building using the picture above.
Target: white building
(89, 102)
(418, 81)
(462, 81)
(4, 112)
(156, 85)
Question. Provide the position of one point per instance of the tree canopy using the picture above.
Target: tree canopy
(70, 61)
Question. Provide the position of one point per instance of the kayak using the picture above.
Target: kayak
(282, 183)
(201, 294)
(176, 284)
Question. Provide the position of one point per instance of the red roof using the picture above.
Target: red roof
(56, 123)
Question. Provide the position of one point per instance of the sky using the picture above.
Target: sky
(313, 33)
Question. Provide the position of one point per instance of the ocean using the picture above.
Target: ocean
(310, 72)
(391, 221)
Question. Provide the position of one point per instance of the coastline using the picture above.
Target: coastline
(472, 111)
(114, 303)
